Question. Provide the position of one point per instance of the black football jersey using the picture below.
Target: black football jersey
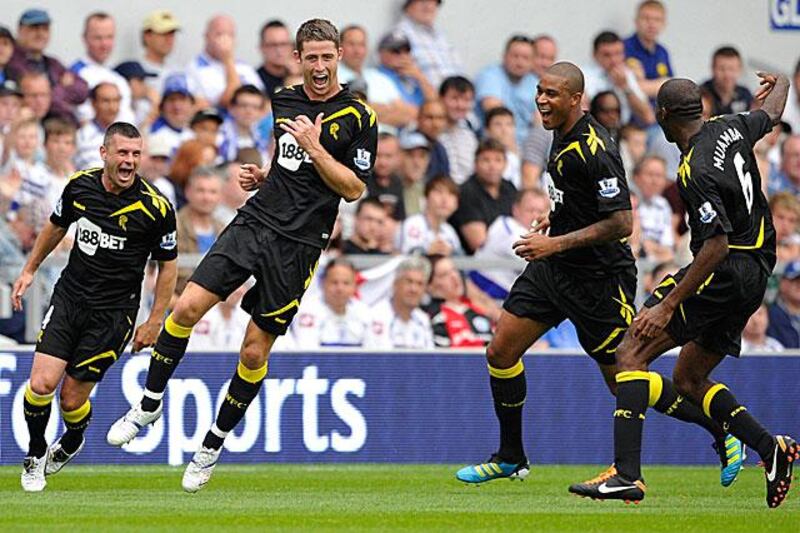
(294, 201)
(114, 237)
(586, 183)
(719, 182)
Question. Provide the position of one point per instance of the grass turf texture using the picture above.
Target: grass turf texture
(382, 497)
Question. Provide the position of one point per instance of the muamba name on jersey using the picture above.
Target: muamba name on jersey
(294, 201)
(114, 237)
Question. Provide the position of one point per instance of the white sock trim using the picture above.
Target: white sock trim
(218, 432)
(157, 396)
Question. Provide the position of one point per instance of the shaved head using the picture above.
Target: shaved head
(570, 73)
(680, 97)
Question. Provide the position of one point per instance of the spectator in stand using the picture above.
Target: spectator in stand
(33, 36)
(499, 125)
(754, 334)
(788, 176)
(529, 204)
(428, 232)
(655, 213)
(609, 73)
(545, 52)
(25, 179)
(144, 99)
(415, 159)
(276, 46)
(105, 100)
(176, 110)
(216, 73)
(535, 152)
(784, 314)
(511, 84)
(336, 319)
(456, 321)
(189, 156)
(431, 123)
(484, 197)
(398, 322)
(155, 167)
(785, 209)
(792, 112)
(606, 109)
(233, 196)
(385, 184)
(10, 108)
(223, 327)
(727, 96)
(158, 39)
(240, 129)
(37, 95)
(432, 51)
(354, 54)
(370, 219)
(59, 145)
(205, 125)
(99, 31)
(768, 154)
(195, 222)
(6, 51)
(632, 146)
(397, 64)
(648, 59)
(459, 139)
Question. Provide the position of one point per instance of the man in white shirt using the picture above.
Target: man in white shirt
(459, 139)
(428, 232)
(503, 232)
(176, 107)
(105, 100)
(336, 318)
(398, 322)
(99, 31)
(655, 213)
(158, 39)
(610, 73)
(216, 73)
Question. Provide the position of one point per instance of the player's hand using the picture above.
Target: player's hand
(534, 246)
(651, 321)
(767, 82)
(20, 286)
(305, 132)
(541, 224)
(251, 176)
(146, 335)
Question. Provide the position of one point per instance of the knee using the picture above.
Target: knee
(498, 358)
(70, 400)
(685, 382)
(626, 356)
(253, 354)
(187, 312)
(42, 385)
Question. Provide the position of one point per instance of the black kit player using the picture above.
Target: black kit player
(705, 306)
(583, 270)
(121, 221)
(325, 143)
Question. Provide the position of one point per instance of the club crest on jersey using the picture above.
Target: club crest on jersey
(123, 222)
(58, 207)
(707, 213)
(609, 187)
(334, 130)
(362, 159)
(169, 241)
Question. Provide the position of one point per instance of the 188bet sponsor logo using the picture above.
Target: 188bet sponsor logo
(90, 237)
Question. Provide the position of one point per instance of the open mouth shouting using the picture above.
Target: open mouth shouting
(320, 80)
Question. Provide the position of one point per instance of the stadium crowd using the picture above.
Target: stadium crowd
(461, 167)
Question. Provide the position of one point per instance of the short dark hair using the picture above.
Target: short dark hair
(594, 105)
(373, 201)
(339, 261)
(459, 84)
(273, 23)
(681, 98)
(96, 89)
(444, 182)
(316, 30)
(351, 27)
(124, 129)
(725, 51)
(246, 89)
(54, 126)
(95, 15)
(637, 169)
(490, 145)
(605, 37)
(518, 38)
(499, 111)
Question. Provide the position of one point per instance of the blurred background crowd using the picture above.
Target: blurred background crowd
(461, 168)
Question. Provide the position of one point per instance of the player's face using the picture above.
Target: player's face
(339, 286)
(121, 159)
(554, 101)
(441, 202)
(409, 288)
(319, 61)
(650, 22)
(99, 39)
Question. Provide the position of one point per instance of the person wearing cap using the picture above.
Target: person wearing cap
(396, 62)
(6, 51)
(33, 36)
(106, 101)
(431, 49)
(99, 31)
(416, 155)
(144, 99)
(205, 125)
(241, 127)
(176, 110)
(216, 73)
(158, 39)
(484, 196)
(784, 314)
(156, 164)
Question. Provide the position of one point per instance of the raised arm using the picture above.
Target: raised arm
(771, 96)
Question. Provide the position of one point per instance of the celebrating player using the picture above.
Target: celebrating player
(705, 306)
(583, 271)
(121, 220)
(325, 142)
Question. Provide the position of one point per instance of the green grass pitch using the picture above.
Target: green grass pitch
(382, 497)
